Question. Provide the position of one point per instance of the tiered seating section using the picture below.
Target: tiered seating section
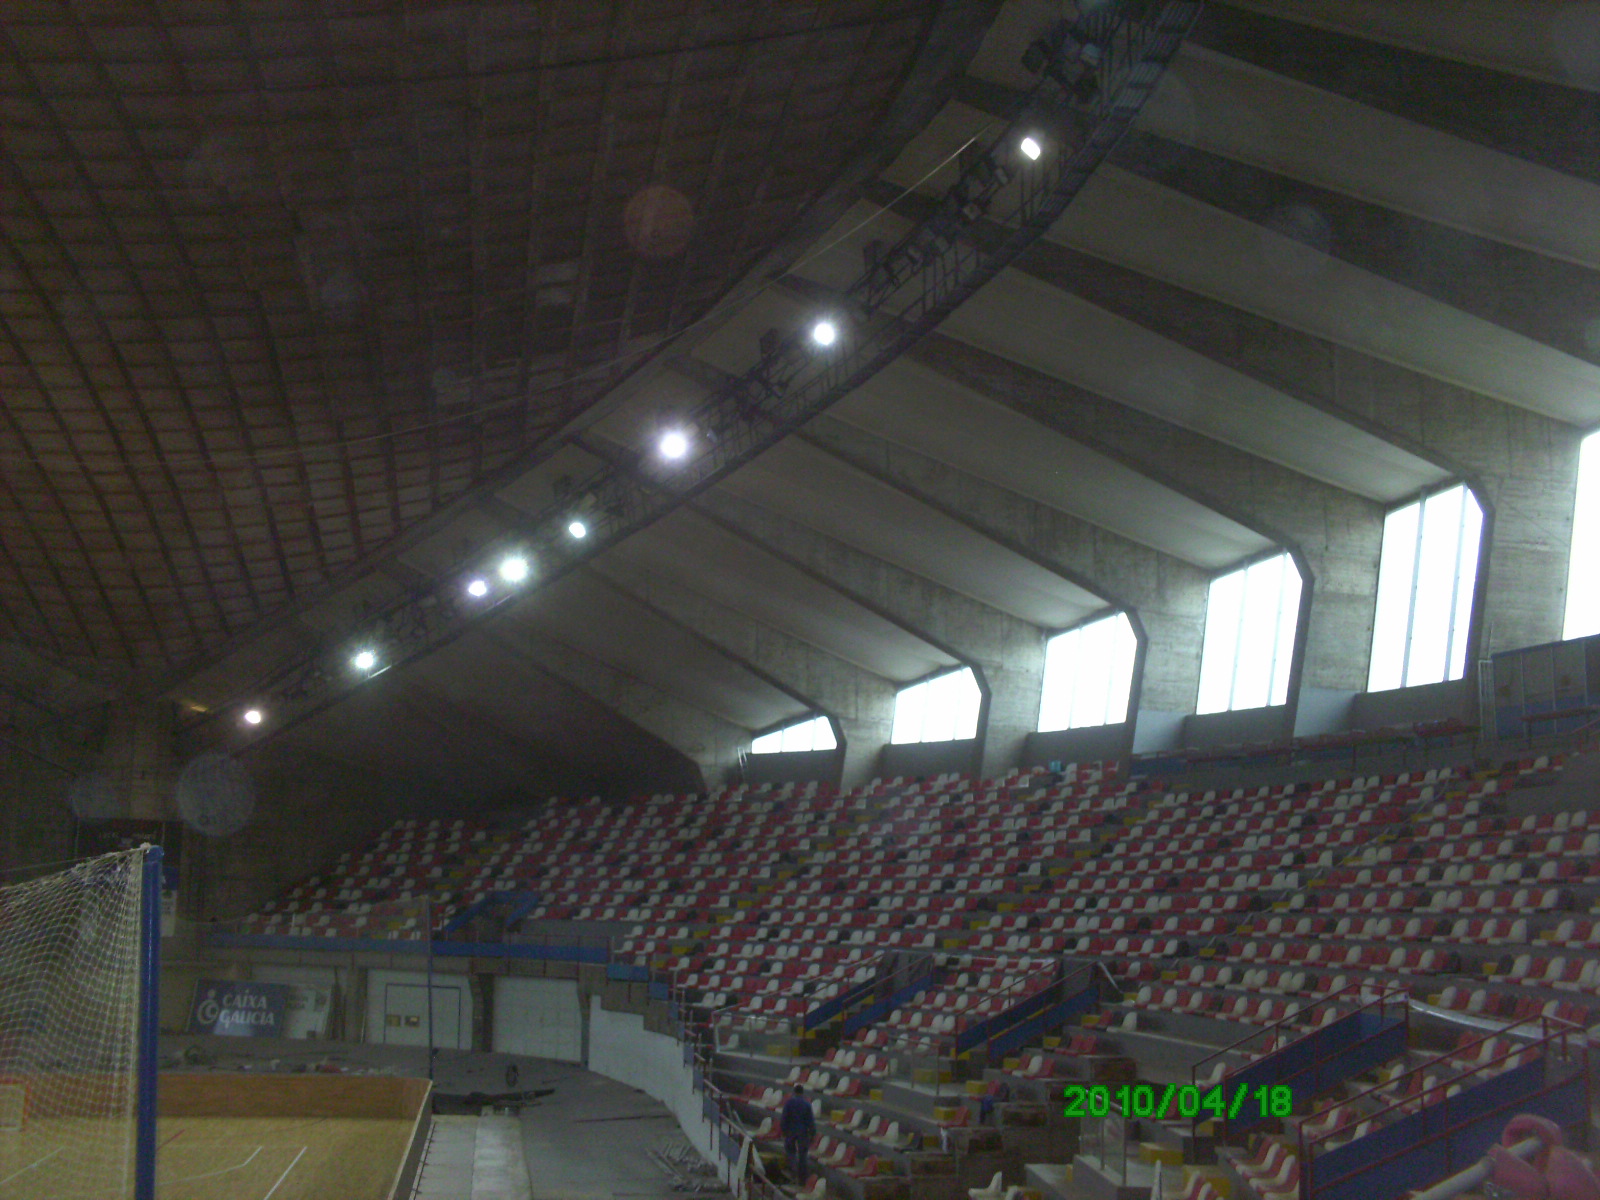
(381, 892)
(1220, 913)
(1241, 906)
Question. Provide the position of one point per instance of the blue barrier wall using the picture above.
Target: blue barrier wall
(1417, 1150)
(1321, 1059)
(874, 1013)
(1033, 1007)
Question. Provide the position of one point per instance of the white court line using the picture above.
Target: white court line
(286, 1171)
(32, 1165)
(210, 1174)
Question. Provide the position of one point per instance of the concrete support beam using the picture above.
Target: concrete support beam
(1522, 465)
(1543, 298)
(1005, 653)
(1545, 123)
(713, 743)
(1335, 535)
(862, 703)
(1165, 596)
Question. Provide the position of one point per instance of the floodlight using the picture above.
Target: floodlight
(364, 660)
(824, 332)
(577, 530)
(513, 568)
(1030, 148)
(252, 716)
(478, 589)
(674, 444)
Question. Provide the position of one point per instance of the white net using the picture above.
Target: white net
(69, 1032)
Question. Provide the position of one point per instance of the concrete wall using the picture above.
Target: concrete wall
(797, 766)
(309, 810)
(1245, 726)
(1407, 706)
(924, 760)
(35, 824)
(621, 1048)
(1077, 745)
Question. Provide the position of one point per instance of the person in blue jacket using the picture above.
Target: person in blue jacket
(799, 1126)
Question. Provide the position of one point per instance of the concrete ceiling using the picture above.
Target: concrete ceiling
(915, 406)
(211, 472)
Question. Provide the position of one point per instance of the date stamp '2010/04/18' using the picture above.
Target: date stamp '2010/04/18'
(1178, 1100)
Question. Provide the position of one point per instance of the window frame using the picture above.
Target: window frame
(978, 716)
(1280, 654)
(1072, 704)
(812, 721)
(1458, 625)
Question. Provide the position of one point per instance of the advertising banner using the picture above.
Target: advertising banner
(234, 1008)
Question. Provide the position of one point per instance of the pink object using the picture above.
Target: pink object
(1554, 1173)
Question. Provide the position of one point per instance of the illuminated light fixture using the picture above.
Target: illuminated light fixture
(824, 333)
(364, 660)
(1030, 148)
(674, 444)
(577, 530)
(477, 589)
(252, 716)
(513, 568)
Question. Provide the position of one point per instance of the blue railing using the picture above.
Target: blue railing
(874, 1013)
(516, 904)
(829, 1009)
(1029, 1011)
(1025, 1032)
(277, 941)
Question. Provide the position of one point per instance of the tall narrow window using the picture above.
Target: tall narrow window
(1251, 618)
(815, 734)
(1583, 564)
(940, 709)
(1088, 673)
(1425, 582)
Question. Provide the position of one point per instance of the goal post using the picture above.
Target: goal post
(79, 1019)
(145, 1060)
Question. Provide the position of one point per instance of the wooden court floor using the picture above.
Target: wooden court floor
(227, 1158)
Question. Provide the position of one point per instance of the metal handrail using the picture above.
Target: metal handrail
(1307, 1146)
(1233, 1047)
(1409, 1102)
(950, 1039)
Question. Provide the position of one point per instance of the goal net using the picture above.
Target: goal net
(70, 989)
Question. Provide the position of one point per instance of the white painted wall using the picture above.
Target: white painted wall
(308, 1016)
(397, 1010)
(621, 1049)
(539, 1017)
